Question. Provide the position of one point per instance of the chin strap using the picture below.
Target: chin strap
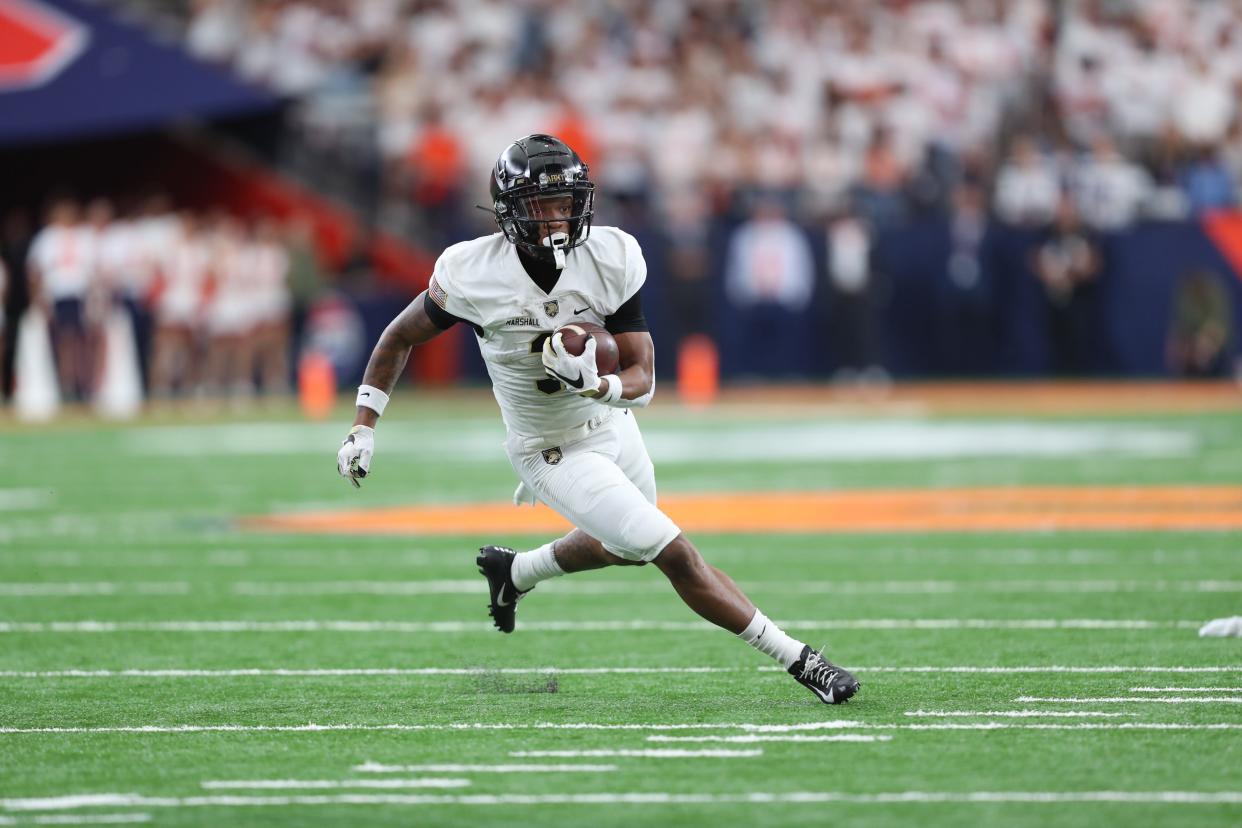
(558, 242)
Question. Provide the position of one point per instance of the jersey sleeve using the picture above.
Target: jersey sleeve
(439, 317)
(443, 291)
(628, 318)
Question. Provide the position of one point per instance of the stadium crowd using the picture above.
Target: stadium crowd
(857, 105)
(804, 128)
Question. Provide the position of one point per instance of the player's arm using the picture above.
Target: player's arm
(634, 383)
(413, 326)
(420, 322)
(636, 356)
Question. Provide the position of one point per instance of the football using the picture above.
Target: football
(575, 335)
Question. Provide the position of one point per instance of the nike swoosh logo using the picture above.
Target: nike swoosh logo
(366, 393)
(583, 310)
(572, 383)
(500, 597)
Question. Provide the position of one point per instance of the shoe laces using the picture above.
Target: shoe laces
(818, 669)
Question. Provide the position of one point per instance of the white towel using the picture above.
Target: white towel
(1223, 627)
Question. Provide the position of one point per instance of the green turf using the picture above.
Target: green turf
(150, 508)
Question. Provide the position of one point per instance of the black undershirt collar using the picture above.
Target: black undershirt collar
(541, 271)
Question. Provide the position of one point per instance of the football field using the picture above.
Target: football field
(201, 624)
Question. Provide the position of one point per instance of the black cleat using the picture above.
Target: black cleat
(823, 678)
(496, 564)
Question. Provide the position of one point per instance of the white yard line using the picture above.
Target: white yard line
(14, 500)
(646, 753)
(933, 587)
(49, 589)
(330, 784)
(1132, 700)
(582, 626)
(268, 589)
(69, 802)
(327, 672)
(1017, 714)
(73, 819)
(751, 738)
(1186, 689)
(375, 767)
(840, 724)
(362, 671)
(1055, 668)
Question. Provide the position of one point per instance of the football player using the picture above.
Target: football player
(573, 438)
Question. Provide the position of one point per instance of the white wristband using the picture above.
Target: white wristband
(372, 398)
(614, 389)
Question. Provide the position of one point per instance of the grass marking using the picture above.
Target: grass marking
(375, 767)
(270, 589)
(839, 724)
(71, 819)
(1054, 668)
(751, 738)
(455, 627)
(332, 672)
(50, 589)
(927, 587)
(1133, 700)
(1002, 508)
(329, 784)
(1018, 714)
(755, 797)
(1186, 689)
(649, 753)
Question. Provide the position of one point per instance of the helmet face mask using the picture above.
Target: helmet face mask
(542, 197)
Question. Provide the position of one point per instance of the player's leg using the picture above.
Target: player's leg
(717, 598)
(582, 482)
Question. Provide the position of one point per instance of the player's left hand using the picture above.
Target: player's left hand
(353, 461)
(577, 373)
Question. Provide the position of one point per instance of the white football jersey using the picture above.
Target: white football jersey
(483, 282)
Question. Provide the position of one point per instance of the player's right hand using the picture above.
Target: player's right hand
(353, 461)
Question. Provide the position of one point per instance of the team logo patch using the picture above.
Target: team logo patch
(552, 456)
(552, 308)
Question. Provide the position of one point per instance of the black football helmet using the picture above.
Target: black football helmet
(527, 174)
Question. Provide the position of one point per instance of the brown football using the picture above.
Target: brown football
(575, 335)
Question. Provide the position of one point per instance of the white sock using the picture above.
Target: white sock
(771, 640)
(529, 568)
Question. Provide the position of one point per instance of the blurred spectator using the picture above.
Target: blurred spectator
(271, 302)
(1206, 183)
(965, 314)
(1027, 187)
(61, 265)
(1203, 103)
(1068, 265)
(853, 323)
(229, 312)
(1111, 192)
(436, 163)
(15, 238)
(1201, 330)
(179, 311)
(689, 263)
(769, 277)
(307, 282)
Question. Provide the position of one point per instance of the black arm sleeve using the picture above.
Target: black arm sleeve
(628, 318)
(441, 318)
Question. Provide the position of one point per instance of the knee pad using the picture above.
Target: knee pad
(643, 534)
